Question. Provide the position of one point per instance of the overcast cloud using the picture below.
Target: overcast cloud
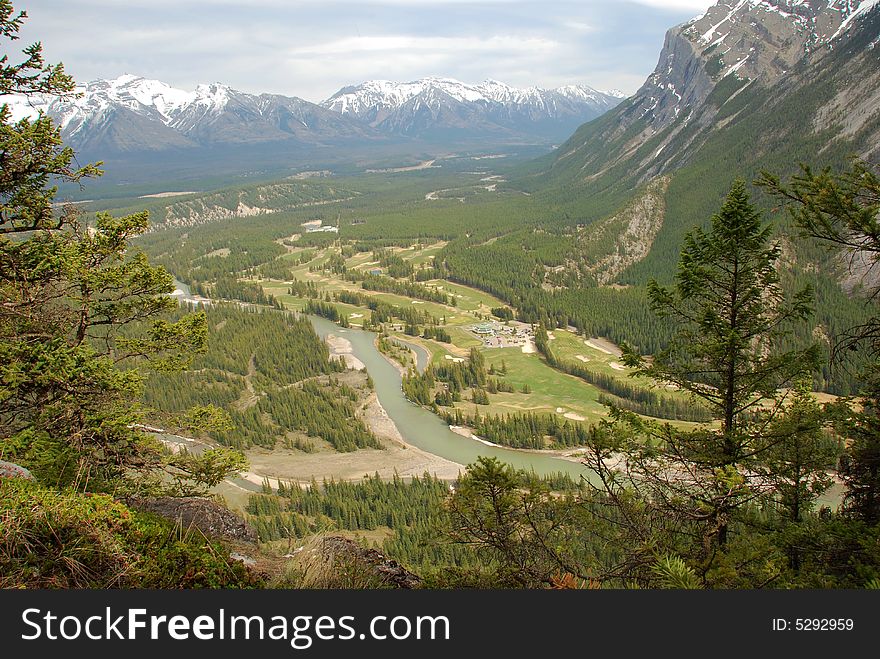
(311, 48)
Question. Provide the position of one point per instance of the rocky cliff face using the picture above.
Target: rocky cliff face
(736, 47)
(759, 40)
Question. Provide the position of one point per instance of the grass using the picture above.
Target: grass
(471, 299)
(471, 303)
(569, 346)
(551, 389)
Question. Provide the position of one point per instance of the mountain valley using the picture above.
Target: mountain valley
(626, 314)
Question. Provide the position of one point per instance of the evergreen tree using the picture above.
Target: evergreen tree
(843, 212)
(80, 316)
(518, 524)
(799, 454)
(33, 152)
(732, 316)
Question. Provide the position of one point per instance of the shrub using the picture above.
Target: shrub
(51, 539)
(66, 539)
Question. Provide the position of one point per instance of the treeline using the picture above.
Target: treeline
(529, 430)
(320, 410)
(381, 313)
(401, 354)
(514, 268)
(221, 249)
(304, 289)
(406, 289)
(326, 310)
(285, 349)
(394, 265)
(415, 510)
(329, 415)
(179, 392)
(294, 388)
(437, 334)
(363, 505)
(623, 394)
(456, 377)
(278, 269)
(230, 288)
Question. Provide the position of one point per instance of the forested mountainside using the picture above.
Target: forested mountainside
(822, 110)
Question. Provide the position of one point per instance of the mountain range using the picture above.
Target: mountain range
(131, 114)
(748, 83)
(442, 106)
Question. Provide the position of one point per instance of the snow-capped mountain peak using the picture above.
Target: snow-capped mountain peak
(742, 42)
(145, 93)
(821, 21)
(215, 95)
(131, 112)
(354, 98)
(143, 96)
(392, 107)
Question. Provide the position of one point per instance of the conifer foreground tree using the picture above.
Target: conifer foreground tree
(732, 317)
(33, 154)
(843, 212)
(80, 315)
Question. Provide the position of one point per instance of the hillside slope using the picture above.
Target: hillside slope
(706, 123)
(745, 48)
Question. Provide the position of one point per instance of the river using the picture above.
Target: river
(417, 425)
(422, 356)
(425, 430)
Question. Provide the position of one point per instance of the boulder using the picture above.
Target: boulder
(12, 470)
(211, 518)
(388, 570)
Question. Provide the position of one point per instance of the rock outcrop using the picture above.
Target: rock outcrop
(12, 470)
(214, 520)
(342, 550)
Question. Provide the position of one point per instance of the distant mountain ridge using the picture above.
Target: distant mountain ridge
(132, 114)
(438, 106)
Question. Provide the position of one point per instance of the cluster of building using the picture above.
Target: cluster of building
(503, 335)
(317, 226)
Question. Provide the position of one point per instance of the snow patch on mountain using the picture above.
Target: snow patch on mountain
(374, 95)
(823, 21)
(132, 112)
(863, 7)
(145, 97)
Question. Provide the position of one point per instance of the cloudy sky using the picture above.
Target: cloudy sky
(311, 48)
